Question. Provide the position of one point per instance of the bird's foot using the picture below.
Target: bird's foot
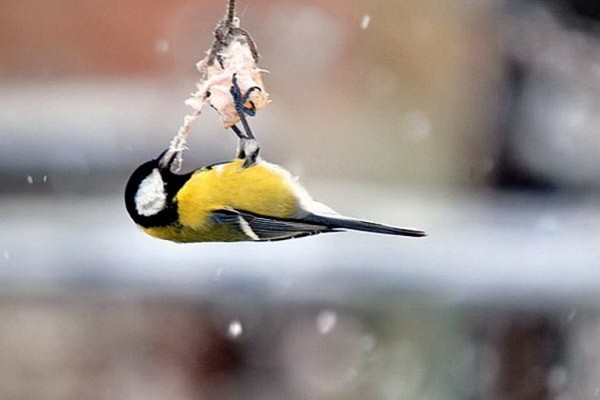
(249, 149)
(240, 100)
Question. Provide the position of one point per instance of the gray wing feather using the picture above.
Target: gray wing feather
(267, 228)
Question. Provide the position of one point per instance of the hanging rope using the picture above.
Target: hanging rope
(233, 52)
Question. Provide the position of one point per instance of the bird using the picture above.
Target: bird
(233, 201)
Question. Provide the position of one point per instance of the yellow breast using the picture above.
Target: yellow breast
(262, 188)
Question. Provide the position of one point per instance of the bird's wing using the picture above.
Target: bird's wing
(266, 228)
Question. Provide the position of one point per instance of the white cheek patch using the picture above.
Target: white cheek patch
(150, 198)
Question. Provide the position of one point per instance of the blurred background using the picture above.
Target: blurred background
(476, 120)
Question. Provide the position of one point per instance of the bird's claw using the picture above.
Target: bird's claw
(250, 150)
(240, 100)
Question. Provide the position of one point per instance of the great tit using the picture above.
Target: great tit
(232, 201)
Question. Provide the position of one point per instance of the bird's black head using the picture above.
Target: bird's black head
(150, 192)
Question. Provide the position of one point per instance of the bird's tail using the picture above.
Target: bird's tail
(340, 222)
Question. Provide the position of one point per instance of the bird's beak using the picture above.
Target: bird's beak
(166, 159)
